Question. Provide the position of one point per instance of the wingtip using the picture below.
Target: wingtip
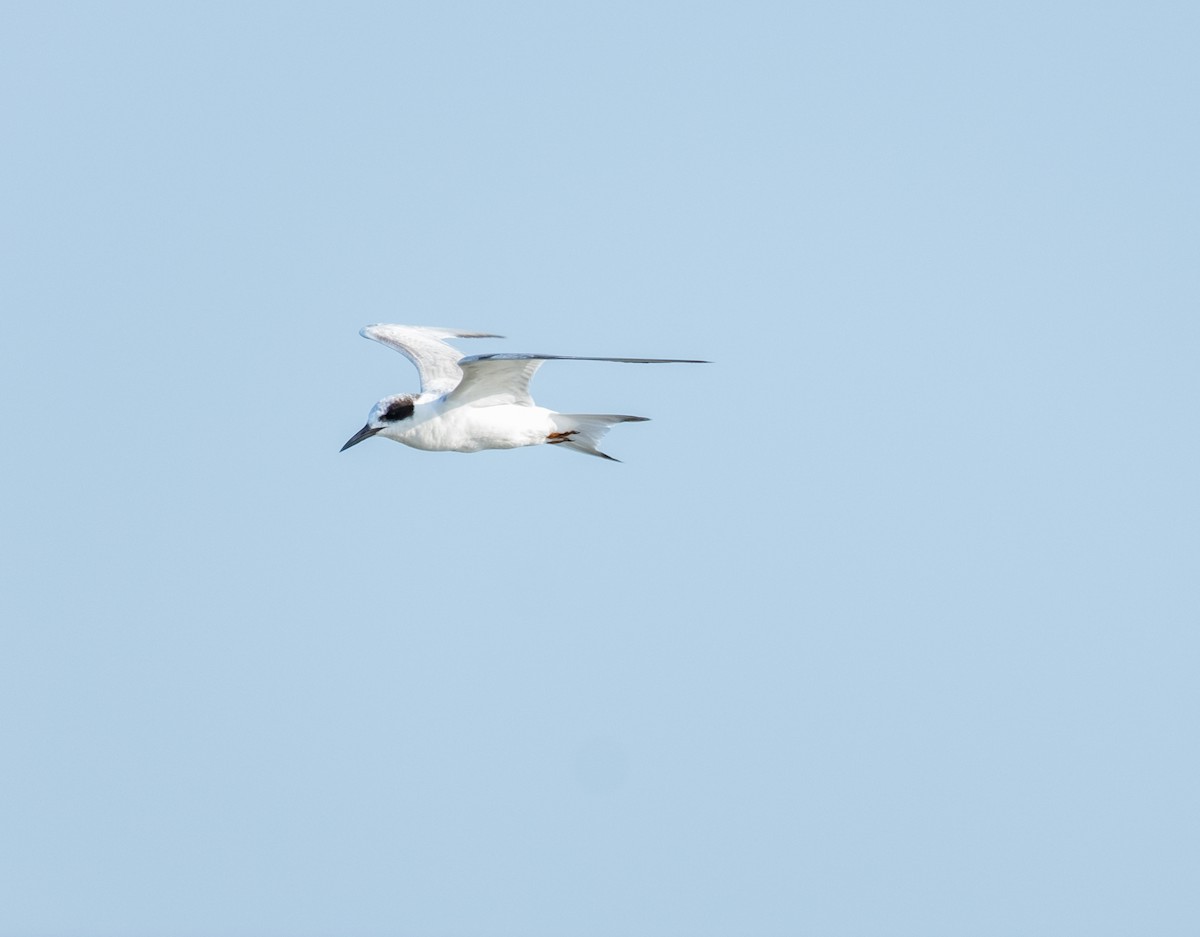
(367, 330)
(373, 331)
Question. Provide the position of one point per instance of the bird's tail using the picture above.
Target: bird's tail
(583, 431)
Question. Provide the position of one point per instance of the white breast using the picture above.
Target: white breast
(470, 429)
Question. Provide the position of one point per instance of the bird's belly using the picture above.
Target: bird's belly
(470, 429)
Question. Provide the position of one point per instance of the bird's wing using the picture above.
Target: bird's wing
(488, 380)
(436, 362)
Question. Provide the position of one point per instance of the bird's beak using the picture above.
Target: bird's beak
(365, 433)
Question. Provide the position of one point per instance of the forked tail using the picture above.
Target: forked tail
(583, 431)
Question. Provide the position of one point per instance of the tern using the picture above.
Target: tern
(481, 401)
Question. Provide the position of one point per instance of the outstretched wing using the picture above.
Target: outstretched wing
(436, 362)
(488, 380)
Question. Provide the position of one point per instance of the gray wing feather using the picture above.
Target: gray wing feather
(518, 357)
(504, 378)
(437, 362)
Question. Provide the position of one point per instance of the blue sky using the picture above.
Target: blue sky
(887, 623)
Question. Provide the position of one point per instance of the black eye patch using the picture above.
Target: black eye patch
(397, 410)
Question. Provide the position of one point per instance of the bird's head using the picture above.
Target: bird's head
(389, 413)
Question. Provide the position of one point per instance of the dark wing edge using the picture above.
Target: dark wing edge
(519, 357)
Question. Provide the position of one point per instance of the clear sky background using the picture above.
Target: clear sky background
(887, 625)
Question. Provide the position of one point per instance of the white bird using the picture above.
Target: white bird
(479, 402)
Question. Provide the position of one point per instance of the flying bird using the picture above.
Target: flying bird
(481, 401)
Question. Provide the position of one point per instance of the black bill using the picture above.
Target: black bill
(365, 433)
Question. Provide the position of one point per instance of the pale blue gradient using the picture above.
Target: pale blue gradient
(886, 626)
